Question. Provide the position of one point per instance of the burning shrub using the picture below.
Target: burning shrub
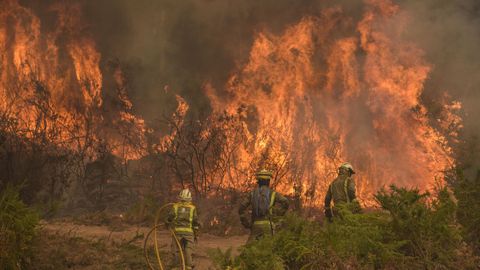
(414, 231)
(17, 229)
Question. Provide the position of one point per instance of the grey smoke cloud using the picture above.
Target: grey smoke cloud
(186, 43)
(449, 33)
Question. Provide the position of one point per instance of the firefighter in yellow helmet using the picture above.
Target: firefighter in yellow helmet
(262, 201)
(341, 190)
(183, 219)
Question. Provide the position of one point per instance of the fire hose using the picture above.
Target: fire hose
(155, 242)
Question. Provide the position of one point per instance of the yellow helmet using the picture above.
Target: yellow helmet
(264, 175)
(185, 195)
(347, 166)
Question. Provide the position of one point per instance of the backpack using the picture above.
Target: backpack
(262, 201)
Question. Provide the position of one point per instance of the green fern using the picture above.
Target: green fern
(17, 230)
(410, 230)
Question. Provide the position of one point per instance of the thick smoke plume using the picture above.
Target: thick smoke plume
(449, 33)
(185, 43)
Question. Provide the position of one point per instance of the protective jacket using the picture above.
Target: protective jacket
(183, 218)
(341, 191)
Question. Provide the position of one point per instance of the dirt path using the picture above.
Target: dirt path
(136, 235)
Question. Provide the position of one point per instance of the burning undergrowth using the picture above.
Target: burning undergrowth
(52, 83)
(329, 89)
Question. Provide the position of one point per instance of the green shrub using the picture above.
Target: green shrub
(426, 223)
(17, 230)
(222, 260)
(410, 231)
(467, 193)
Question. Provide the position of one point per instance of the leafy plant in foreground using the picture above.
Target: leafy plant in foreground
(17, 230)
(411, 230)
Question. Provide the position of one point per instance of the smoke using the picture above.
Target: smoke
(449, 33)
(183, 44)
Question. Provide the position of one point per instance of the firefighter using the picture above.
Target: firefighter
(183, 220)
(262, 201)
(341, 191)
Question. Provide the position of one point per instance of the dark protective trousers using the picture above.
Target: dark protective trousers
(187, 242)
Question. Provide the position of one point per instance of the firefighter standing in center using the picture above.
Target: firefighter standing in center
(262, 201)
(341, 191)
(183, 220)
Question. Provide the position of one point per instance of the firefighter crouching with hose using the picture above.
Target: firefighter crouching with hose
(183, 220)
(262, 201)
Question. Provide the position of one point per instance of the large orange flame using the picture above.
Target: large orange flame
(328, 91)
(51, 84)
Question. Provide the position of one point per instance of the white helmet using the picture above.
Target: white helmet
(185, 195)
(347, 166)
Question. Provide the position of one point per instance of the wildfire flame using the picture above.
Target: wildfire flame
(51, 84)
(328, 91)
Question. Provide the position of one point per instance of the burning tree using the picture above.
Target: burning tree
(202, 152)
